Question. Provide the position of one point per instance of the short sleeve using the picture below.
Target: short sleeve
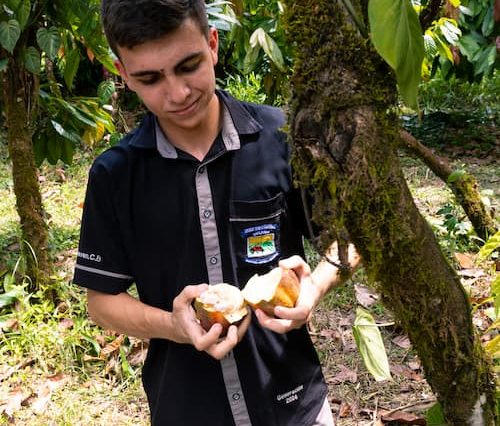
(101, 263)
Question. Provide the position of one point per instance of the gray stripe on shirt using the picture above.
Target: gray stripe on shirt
(101, 272)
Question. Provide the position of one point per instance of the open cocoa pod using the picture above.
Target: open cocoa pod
(220, 303)
(279, 287)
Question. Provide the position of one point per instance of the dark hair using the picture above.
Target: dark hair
(128, 23)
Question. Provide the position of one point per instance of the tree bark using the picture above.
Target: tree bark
(20, 92)
(345, 141)
(464, 187)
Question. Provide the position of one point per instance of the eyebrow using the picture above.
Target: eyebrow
(188, 58)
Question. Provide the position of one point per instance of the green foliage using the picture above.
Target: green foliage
(455, 233)
(63, 31)
(246, 88)
(397, 36)
(220, 15)
(69, 122)
(463, 44)
(458, 113)
(9, 34)
(489, 247)
(257, 45)
(435, 416)
(49, 40)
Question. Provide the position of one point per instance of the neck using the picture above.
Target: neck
(197, 141)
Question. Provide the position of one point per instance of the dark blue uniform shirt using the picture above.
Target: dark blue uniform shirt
(157, 217)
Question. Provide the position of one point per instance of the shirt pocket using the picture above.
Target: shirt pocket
(255, 232)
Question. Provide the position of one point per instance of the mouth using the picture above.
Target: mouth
(186, 110)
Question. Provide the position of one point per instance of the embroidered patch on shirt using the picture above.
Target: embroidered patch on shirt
(261, 243)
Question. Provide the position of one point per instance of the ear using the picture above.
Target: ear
(213, 43)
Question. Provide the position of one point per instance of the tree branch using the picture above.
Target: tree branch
(465, 187)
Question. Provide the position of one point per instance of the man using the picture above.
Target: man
(175, 205)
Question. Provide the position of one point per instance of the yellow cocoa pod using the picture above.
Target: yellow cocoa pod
(220, 303)
(279, 287)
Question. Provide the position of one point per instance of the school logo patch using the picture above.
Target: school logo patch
(261, 243)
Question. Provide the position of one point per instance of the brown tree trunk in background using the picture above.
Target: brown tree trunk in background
(20, 92)
(464, 186)
(345, 143)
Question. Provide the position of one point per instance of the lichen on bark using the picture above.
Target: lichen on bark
(345, 135)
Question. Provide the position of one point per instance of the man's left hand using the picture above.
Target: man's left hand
(287, 319)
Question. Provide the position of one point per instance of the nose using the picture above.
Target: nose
(176, 90)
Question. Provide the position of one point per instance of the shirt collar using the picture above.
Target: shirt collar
(236, 121)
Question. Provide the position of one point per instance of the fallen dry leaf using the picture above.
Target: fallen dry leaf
(137, 356)
(415, 365)
(13, 401)
(329, 333)
(11, 370)
(10, 324)
(344, 410)
(471, 272)
(402, 370)
(45, 390)
(402, 417)
(402, 342)
(465, 260)
(344, 375)
(112, 347)
(365, 295)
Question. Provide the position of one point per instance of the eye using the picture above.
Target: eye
(149, 80)
(189, 67)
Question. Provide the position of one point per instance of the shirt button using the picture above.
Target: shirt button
(213, 260)
(207, 214)
(236, 396)
(201, 170)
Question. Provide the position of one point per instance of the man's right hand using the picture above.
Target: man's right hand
(187, 328)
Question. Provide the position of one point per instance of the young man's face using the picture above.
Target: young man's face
(174, 76)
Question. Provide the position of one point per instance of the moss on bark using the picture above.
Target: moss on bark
(345, 137)
(20, 91)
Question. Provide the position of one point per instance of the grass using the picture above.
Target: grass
(54, 350)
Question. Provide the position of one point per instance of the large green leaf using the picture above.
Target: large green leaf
(23, 11)
(54, 148)
(9, 34)
(71, 66)
(370, 345)
(11, 4)
(469, 45)
(31, 59)
(397, 36)
(40, 147)
(489, 247)
(49, 41)
(68, 149)
(485, 59)
(65, 133)
(264, 40)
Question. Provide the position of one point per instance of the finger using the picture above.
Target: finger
(299, 313)
(243, 327)
(203, 340)
(274, 324)
(190, 292)
(220, 349)
(297, 264)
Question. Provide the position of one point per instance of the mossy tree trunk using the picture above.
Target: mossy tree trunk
(20, 93)
(345, 142)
